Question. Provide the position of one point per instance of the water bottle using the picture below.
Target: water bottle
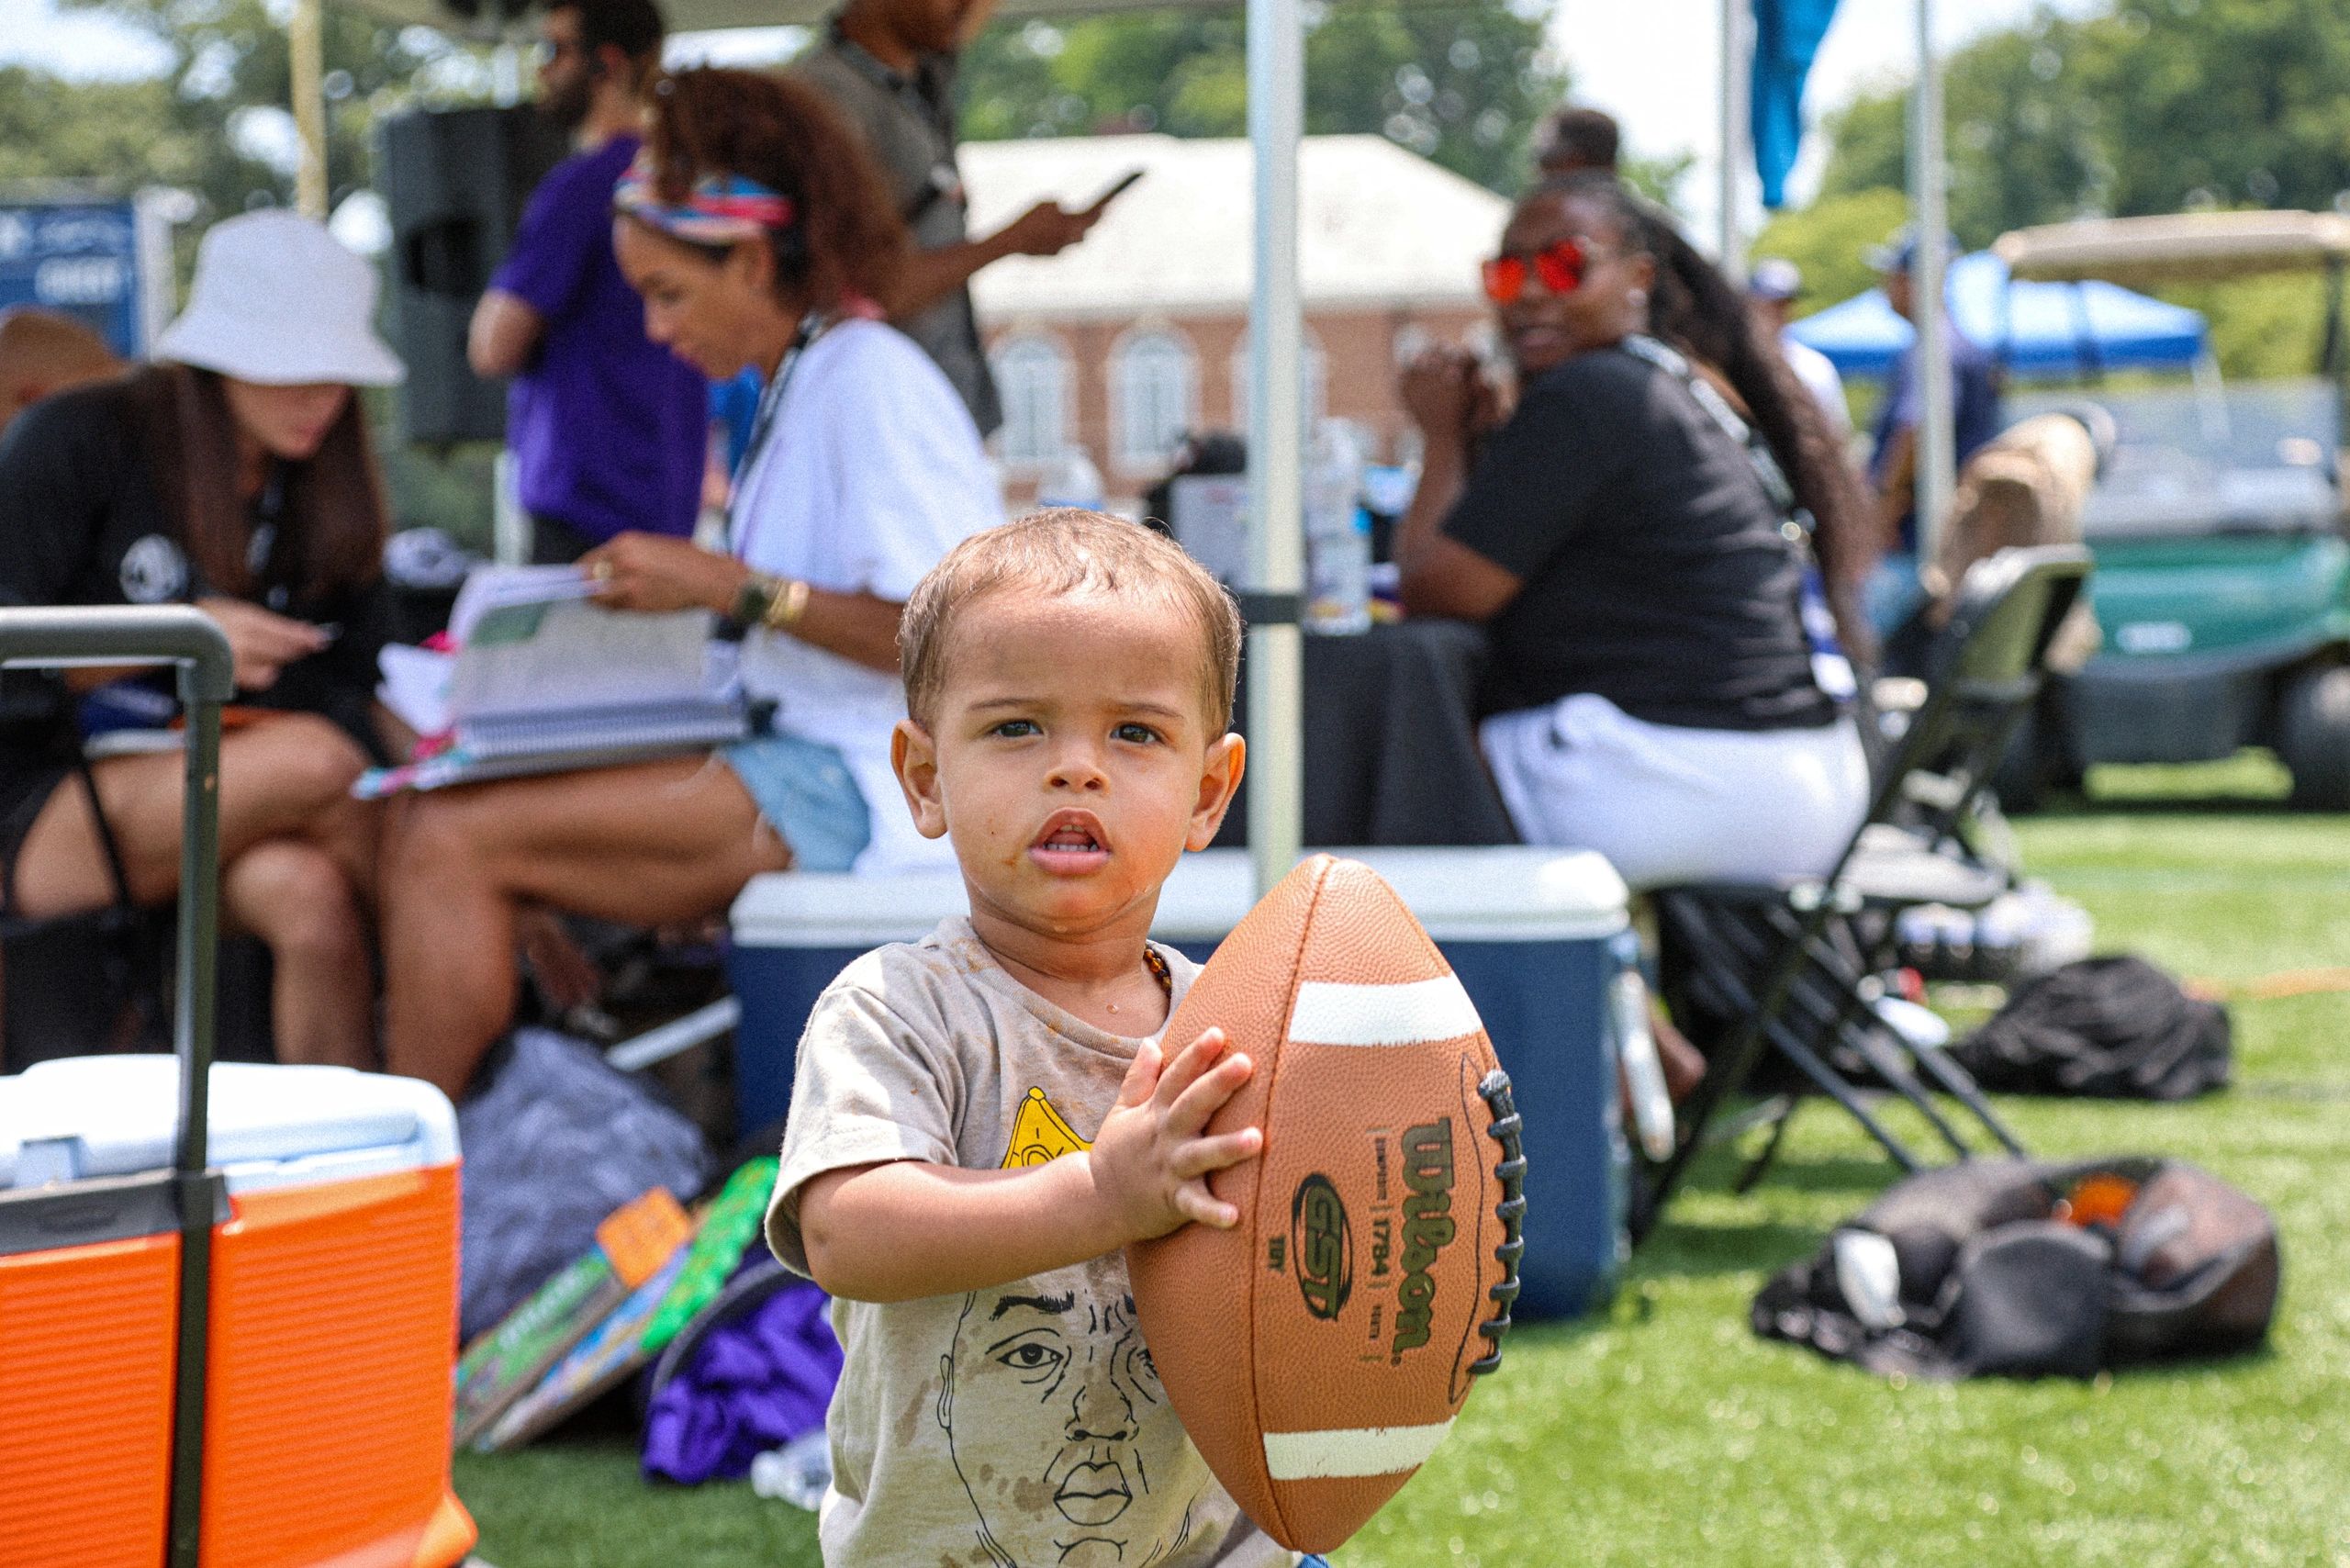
(797, 1473)
(1337, 534)
(1072, 481)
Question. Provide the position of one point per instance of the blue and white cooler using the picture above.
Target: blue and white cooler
(1538, 936)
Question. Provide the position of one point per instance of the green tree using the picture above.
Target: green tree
(229, 59)
(2149, 107)
(1461, 86)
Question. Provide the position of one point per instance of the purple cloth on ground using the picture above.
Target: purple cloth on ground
(752, 1383)
(610, 429)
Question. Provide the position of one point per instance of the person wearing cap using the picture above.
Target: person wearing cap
(758, 235)
(1773, 288)
(1893, 452)
(235, 475)
(609, 430)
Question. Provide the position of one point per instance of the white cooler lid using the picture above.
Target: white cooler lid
(270, 1125)
(1504, 893)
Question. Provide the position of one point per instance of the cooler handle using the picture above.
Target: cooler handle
(58, 637)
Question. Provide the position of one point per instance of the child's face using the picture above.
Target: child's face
(1069, 757)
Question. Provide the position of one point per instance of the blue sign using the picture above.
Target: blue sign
(83, 258)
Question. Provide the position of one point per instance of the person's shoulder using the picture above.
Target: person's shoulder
(1590, 386)
(822, 60)
(99, 413)
(589, 175)
(869, 354)
(1804, 356)
(917, 982)
(1967, 354)
(828, 71)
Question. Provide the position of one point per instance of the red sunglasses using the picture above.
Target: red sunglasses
(1560, 265)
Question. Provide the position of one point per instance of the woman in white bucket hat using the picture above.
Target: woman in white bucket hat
(234, 474)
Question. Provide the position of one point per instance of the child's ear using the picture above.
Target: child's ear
(1219, 785)
(915, 759)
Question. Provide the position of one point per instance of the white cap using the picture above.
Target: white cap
(277, 301)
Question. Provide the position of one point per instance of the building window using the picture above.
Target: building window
(1031, 377)
(1156, 387)
(1313, 397)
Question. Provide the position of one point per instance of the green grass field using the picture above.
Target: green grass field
(1662, 1432)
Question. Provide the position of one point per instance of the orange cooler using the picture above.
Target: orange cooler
(331, 1328)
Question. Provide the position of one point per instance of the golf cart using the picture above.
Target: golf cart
(2222, 580)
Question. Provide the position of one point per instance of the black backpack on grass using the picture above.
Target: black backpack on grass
(2027, 1269)
(2108, 1028)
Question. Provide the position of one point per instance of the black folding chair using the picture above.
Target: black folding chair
(1792, 969)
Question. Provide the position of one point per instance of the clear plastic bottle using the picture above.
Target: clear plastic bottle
(1338, 533)
(797, 1473)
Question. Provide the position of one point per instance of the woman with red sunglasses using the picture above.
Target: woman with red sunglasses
(1634, 538)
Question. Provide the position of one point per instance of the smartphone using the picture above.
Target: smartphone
(1120, 184)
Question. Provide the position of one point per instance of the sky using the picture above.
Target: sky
(1654, 64)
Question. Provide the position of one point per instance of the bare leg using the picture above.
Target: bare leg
(294, 897)
(289, 778)
(643, 845)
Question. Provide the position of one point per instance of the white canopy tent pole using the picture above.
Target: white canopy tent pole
(1276, 490)
(1737, 41)
(306, 52)
(1929, 210)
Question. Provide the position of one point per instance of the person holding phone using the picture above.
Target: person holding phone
(235, 475)
(609, 430)
(889, 66)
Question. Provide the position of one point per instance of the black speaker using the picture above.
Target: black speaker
(454, 182)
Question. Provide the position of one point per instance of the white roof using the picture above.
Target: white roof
(1378, 227)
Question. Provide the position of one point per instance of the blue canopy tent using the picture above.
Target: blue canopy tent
(2041, 331)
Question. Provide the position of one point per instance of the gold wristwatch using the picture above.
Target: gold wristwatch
(776, 603)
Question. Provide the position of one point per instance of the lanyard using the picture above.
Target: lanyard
(1758, 452)
(1832, 671)
(811, 327)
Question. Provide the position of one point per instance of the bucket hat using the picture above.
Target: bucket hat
(278, 300)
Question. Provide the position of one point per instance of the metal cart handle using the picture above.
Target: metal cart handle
(184, 636)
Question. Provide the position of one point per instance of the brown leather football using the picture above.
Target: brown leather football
(1319, 1351)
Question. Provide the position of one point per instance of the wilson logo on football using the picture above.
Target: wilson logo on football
(1322, 1247)
(1428, 1227)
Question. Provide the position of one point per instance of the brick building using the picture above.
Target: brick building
(1125, 343)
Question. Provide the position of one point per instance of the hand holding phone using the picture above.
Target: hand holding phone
(1117, 187)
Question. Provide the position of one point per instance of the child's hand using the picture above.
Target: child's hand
(1149, 1162)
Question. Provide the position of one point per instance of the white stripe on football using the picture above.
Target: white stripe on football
(1409, 1013)
(1350, 1451)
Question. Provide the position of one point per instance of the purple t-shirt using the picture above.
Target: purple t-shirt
(609, 428)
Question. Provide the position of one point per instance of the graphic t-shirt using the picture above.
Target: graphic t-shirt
(1021, 1426)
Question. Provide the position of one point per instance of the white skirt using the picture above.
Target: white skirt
(1668, 806)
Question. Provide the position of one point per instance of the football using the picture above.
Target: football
(1318, 1351)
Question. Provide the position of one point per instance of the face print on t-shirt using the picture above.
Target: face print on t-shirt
(1046, 1397)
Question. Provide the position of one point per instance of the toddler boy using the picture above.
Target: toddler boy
(982, 1119)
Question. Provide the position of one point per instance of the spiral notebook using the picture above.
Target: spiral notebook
(543, 681)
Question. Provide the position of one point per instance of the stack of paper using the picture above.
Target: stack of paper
(543, 681)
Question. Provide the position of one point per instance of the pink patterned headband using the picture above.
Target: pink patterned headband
(720, 209)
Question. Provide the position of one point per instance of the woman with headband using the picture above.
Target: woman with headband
(755, 229)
